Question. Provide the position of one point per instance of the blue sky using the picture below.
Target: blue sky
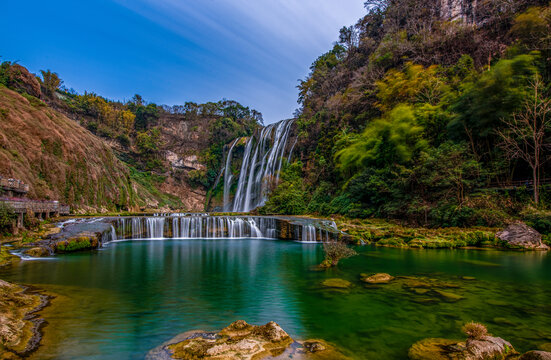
(173, 51)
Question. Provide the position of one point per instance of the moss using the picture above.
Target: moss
(75, 244)
(6, 257)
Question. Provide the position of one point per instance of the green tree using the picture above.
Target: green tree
(50, 82)
(389, 140)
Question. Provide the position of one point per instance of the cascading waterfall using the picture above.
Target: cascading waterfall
(262, 159)
(196, 225)
(191, 227)
(228, 177)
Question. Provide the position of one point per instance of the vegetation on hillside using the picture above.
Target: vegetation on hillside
(430, 121)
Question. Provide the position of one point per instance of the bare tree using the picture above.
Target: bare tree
(524, 135)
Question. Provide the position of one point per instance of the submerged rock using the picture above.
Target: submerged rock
(336, 283)
(536, 355)
(520, 235)
(381, 278)
(448, 296)
(243, 341)
(431, 349)
(487, 347)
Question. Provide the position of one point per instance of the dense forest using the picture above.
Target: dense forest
(432, 121)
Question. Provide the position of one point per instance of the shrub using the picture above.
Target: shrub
(123, 139)
(475, 331)
(335, 251)
(6, 217)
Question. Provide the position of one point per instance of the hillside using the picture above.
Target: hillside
(432, 113)
(60, 160)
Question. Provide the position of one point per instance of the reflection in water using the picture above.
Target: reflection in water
(129, 297)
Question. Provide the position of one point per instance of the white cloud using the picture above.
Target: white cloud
(251, 43)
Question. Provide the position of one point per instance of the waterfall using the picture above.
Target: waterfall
(193, 227)
(228, 176)
(155, 227)
(309, 233)
(263, 158)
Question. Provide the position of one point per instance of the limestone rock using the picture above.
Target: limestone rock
(522, 236)
(488, 347)
(381, 278)
(536, 355)
(245, 342)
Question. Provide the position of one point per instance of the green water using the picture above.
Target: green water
(119, 302)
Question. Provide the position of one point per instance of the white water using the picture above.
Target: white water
(262, 160)
(192, 227)
(211, 227)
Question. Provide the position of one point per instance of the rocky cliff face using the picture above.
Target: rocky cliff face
(464, 10)
(183, 141)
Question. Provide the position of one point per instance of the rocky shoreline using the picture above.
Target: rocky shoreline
(20, 325)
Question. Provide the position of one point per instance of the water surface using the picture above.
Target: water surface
(123, 300)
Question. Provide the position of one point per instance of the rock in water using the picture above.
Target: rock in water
(18, 327)
(38, 251)
(520, 235)
(488, 347)
(336, 283)
(377, 278)
(536, 355)
(443, 349)
(245, 342)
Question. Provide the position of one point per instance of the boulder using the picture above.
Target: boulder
(82, 241)
(536, 355)
(22, 79)
(381, 278)
(38, 251)
(520, 235)
(488, 347)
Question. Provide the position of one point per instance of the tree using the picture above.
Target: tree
(50, 81)
(524, 134)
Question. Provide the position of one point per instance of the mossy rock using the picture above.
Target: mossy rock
(431, 349)
(545, 347)
(37, 252)
(84, 241)
(336, 283)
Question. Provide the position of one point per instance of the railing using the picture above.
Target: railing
(36, 206)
